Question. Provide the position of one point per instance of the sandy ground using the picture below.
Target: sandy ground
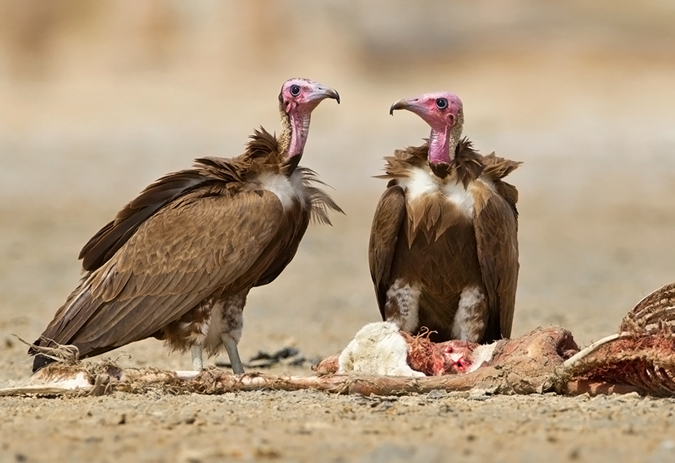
(597, 229)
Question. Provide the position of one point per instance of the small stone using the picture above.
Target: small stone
(437, 394)
(667, 444)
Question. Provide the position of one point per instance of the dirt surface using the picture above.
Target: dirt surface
(309, 426)
(595, 132)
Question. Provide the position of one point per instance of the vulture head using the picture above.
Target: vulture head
(297, 100)
(443, 112)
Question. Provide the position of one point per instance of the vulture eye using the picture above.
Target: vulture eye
(295, 90)
(441, 103)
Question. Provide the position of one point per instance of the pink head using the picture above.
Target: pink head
(297, 100)
(444, 113)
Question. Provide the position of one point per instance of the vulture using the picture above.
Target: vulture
(443, 249)
(177, 262)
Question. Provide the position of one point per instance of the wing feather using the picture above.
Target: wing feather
(104, 244)
(497, 239)
(384, 234)
(176, 258)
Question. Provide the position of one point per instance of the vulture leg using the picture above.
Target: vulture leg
(402, 306)
(197, 362)
(471, 315)
(233, 353)
(230, 326)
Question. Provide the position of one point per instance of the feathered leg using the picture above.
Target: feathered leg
(472, 312)
(402, 307)
(233, 323)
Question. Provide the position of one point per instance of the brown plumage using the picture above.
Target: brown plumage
(443, 249)
(178, 261)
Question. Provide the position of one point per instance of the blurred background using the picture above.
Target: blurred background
(97, 99)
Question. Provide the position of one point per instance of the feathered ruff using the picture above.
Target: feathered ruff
(466, 166)
(496, 168)
(320, 202)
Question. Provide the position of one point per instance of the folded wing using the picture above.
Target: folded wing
(207, 239)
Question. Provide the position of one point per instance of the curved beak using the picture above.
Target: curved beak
(400, 104)
(320, 93)
(331, 93)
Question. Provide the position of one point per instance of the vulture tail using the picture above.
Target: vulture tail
(40, 360)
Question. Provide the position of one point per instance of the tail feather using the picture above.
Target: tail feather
(40, 361)
(46, 351)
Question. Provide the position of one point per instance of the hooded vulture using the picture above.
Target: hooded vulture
(178, 261)
(443, 247)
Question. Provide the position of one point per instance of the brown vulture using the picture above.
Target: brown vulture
(443, 249)
(178, 261)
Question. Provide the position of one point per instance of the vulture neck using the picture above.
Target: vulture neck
(295, 129)
(442, 146)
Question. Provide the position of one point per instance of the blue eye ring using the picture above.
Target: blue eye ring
(295, 90)
(442, 103)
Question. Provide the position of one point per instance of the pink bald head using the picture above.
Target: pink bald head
(297, 99)
(443, 111)
(301, 96)
(438, 109)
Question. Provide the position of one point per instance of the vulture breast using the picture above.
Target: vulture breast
(421, 184)
(287, 190)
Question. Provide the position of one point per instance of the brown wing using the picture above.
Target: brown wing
(384, 234)
(496, 229)
(105, 243)
(205, 240)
